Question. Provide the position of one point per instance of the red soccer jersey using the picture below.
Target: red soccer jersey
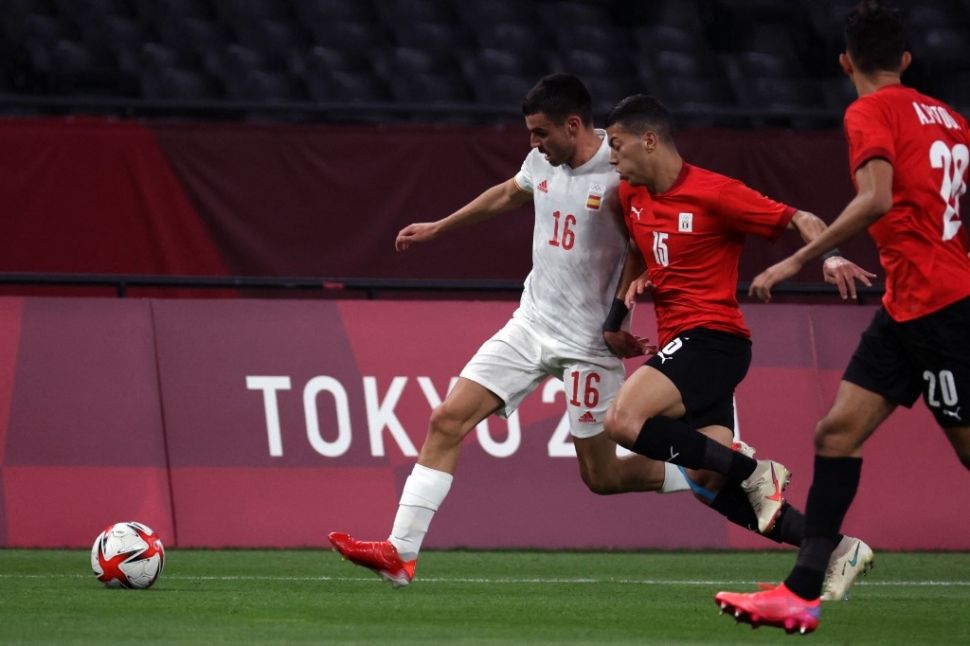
(691, 238)
(921, 243)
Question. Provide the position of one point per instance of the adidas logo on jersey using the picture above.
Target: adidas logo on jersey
(543, 186)
(587, 418)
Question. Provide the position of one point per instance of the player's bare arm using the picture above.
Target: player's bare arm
(873, 199)
(493, 201)
(620, 342)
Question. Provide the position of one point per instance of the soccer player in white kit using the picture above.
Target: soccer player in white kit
(579, 248)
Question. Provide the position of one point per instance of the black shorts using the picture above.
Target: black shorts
(706, 366)
(930, 354)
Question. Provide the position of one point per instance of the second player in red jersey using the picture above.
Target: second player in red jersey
(925, 141)
(909, 160)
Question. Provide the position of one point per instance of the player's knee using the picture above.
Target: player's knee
(620, 427)
(832, 437)
(600, 481)
(446, 424)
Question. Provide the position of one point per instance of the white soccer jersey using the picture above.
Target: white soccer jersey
(578, 248)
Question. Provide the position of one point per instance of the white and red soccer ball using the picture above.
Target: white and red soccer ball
(127, 555)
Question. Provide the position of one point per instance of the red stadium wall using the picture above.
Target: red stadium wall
(269, 423)
(109, 196)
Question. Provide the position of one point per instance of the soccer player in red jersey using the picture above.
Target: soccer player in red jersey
(909, 156)
(689, 225)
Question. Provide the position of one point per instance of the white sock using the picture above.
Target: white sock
(423, 493)
(674, 479)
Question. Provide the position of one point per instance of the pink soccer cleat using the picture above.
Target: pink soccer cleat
(777, 606)
(379, 556)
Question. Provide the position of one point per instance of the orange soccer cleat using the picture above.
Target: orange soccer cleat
(379, 556)
(778, 606)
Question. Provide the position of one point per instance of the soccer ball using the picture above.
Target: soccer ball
(127, 555)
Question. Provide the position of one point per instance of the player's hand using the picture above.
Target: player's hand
(763, 282)
(636, 289)
(843, 273)
(625, 345)
(416, 232)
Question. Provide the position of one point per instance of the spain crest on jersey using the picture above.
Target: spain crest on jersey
(595, 197)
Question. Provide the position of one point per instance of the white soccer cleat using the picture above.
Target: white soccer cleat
(851, 559)
(764, 487)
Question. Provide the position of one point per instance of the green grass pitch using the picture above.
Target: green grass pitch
(50, 596)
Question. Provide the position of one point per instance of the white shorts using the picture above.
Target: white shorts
(516, 360)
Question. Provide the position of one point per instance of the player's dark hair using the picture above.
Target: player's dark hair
(874, 37)
(557, 96)
(639, 113)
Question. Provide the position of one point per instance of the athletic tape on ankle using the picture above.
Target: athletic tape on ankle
(426, 488)
(674, 479)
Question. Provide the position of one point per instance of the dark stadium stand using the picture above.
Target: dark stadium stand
(728, 62)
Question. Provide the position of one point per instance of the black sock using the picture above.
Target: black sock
(675, 441)
(833, 488)
(732, 503)
(789, 528)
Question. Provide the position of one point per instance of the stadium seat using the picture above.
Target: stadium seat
(403, 61)
(274, 38)
(503, 90)
(195, 36)
(512, 36)
(156, 56)
(37, 30)
(493, 61)
(656, 38)
(591, 64)
(232, 66)
(312, 11)
(232, 12)
(321, 60)
(476, 14)
(592, 37)
(838, 93)
(761, 65)
(685, 95)
(178, 84)
(264, 86)
(436, 37)
(346, 87)
(151, 10)
(75, 9)
(939, 14)
(429, 87)
(362, 38)
(21, 7)
(404, 11)
(696, 64)
(784, 93)
(948, 46)
(685, 16)
(79, 69)
(563, 14)
(113, 32)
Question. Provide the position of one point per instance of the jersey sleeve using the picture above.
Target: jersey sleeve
(524, 178)
(751, 212)
(868, 133)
